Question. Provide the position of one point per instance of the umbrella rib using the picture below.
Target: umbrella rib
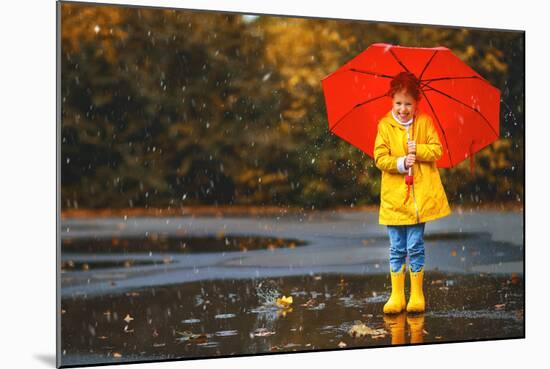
(427, 64)
(428, 81)
(370, 73)
(399, 61)
(466, 105)
(440, 127)
(352, 109)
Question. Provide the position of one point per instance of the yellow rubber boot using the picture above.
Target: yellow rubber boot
(416, 301)
(396, 302)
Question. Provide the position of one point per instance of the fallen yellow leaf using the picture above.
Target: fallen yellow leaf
(284, 301)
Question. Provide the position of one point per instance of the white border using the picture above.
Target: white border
(27, 192)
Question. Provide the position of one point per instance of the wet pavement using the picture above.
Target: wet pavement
(138, 289)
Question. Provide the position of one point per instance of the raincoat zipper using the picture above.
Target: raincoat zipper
(414, 197)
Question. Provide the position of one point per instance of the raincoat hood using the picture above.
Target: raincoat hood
(428, 200)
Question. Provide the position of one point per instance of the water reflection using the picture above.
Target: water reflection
(416, 327)
(396, 327)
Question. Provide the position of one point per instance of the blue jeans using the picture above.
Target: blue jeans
(407, 239)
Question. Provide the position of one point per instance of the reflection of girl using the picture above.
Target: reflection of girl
(407, 139)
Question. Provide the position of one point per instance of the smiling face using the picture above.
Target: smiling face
(403, 106)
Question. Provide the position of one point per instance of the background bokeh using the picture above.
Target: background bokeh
(170, 108)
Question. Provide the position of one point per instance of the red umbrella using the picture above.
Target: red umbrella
(464, 106)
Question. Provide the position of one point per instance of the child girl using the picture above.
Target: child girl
(407, 141)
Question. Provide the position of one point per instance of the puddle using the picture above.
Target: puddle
(204, 319)
(159, 243)
(71, 265)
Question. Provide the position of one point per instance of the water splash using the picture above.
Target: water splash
(267, 292)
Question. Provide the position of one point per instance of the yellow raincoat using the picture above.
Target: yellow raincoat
(427, 200)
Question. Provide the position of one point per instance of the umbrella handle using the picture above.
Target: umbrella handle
(410, 138)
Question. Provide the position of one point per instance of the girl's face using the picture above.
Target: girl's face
(403, 106)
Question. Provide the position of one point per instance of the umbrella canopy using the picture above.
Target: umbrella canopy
(464, 106)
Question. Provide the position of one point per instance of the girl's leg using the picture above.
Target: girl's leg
(415, 246)
(398, 246)
(398, 254)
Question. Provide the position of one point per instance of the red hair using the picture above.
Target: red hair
(405, 81)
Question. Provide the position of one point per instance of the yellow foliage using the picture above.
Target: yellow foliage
(250, 176)
(273, 178)
(492, 62)
(101, 25)
(304, 51)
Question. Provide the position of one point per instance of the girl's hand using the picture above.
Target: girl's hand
(410, 160)
(412, 147)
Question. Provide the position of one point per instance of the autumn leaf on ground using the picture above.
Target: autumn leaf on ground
(519, 314)
(310, 303)
(342, 344)
(185, 336)
(360, 330)
(128, 318)
(262, 332)
(284, 301)
(189, 336)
